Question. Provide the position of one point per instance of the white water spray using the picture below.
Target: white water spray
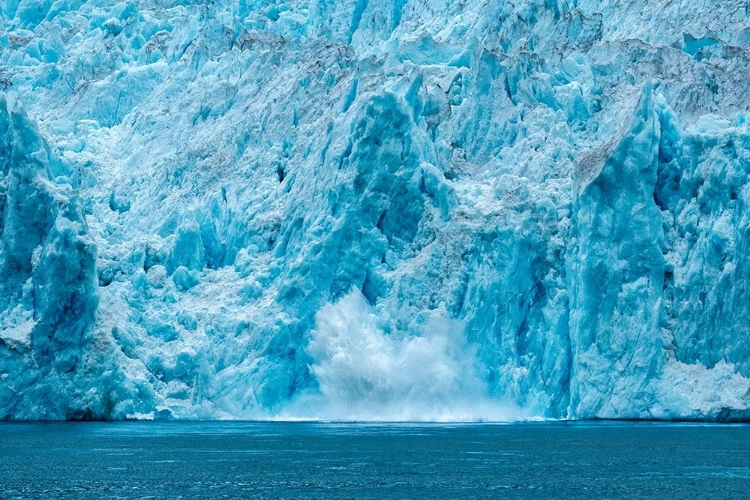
(369, 370)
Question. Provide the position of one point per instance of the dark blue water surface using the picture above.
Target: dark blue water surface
(329, 460)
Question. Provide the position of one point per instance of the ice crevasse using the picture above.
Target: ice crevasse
(374, 209)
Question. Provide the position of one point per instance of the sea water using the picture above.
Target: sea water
(358, 460)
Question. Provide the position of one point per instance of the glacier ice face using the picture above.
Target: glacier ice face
(47, 278)
(380, 209)
(617, 271)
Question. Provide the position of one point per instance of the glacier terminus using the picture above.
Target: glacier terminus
(374, 209)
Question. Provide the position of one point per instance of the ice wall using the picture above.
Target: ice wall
(374, 209)
(47, 278)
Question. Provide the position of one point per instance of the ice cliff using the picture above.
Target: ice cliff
(374, 209)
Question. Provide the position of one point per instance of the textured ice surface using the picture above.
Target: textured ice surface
(375, 209)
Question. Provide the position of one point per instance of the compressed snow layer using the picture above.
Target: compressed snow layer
(379, 209)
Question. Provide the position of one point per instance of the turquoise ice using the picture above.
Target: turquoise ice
(374, 209)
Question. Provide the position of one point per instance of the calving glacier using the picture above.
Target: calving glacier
(374, 209)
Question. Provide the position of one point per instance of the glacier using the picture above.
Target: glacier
(374, 209)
